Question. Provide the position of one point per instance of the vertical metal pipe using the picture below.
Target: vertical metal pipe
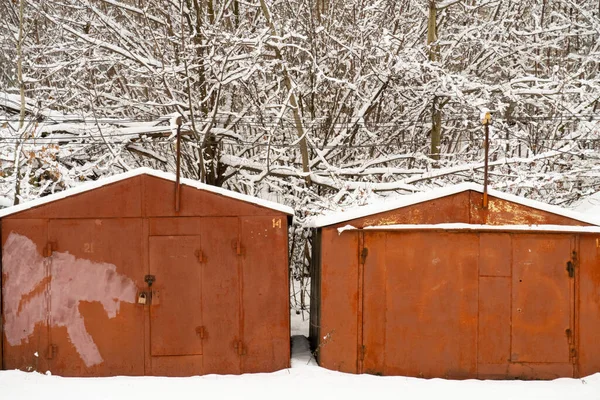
(486, 123)
(178, 172)
(360, 349)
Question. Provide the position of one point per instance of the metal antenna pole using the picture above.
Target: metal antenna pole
(486, 123)
(177, 174)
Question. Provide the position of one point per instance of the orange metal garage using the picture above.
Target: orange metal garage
(108, 279)
(435, 285)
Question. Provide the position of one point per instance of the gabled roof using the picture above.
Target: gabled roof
(411, 199)
(88, 186)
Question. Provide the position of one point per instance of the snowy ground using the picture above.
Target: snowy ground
(305, 380)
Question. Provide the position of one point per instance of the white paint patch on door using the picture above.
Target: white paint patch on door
(25, 302)
(27, 291)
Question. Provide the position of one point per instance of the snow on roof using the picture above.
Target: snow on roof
(476, 227)
(409, 200)
(85, 187)
(589, 205)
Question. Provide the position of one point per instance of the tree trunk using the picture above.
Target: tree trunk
(20, 63)
(436, 106)
(436, 127)
(293, 102)
(432, 32)
(22, 92)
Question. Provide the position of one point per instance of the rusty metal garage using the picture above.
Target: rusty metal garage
(108, 279)
(436, 285)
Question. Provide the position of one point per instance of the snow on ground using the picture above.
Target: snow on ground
(299, 318)
(299, 323)
(305, 380)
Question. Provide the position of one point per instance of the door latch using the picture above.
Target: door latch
(570, 268)
(149, 279)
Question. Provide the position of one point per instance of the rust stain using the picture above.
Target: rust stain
(391, 220)
(38, 290)
(516, 214)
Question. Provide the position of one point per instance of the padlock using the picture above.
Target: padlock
(142, 298)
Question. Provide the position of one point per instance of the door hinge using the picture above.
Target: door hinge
(48, 250)
(363, 255)
(573, 355)
(52, 349)
(571, 264)
(361, 352)
(571, 341)
(571, 268)
(237, 245)
(200, 256)
(201, 331)
(239, 346)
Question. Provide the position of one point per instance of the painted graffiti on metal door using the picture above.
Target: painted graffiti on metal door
(95, 325)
